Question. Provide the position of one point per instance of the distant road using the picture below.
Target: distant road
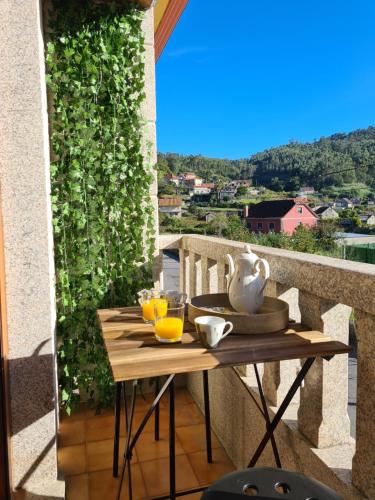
(171, 269)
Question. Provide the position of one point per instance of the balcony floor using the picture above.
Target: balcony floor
(86, 446)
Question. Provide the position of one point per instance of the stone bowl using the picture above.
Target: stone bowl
(272, 317)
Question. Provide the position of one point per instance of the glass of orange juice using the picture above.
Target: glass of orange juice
(169, 327)
(151, 301)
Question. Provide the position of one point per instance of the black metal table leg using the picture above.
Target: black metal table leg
(267, 418)
(157, 410)
(207, 416)
(116, 441)
(172, 445)
(284, 405)
(132, 441)
(126, 407)
(128, 452)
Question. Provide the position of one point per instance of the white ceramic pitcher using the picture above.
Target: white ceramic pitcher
(246, 285)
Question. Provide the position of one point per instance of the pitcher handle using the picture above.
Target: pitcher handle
(266, 270)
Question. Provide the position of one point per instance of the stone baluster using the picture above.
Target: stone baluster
(207, 272)
(221, 278)
(278, 376)
(158, 272)
(184, 271)
(195, 278)
(363, 473)
(323, 415)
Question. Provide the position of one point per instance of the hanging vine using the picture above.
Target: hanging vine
(102, 215)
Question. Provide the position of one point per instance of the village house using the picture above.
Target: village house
(326, 212)
(305, 190)
(343, 203)
(280, 216)
(171, 178)
(190, 180)
(367, 219)
(227, 193)
(204, 188)
(171, 206)
(240, 183)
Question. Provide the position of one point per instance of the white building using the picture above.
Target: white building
(171, 206)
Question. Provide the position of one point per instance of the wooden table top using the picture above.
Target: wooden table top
(134, 353)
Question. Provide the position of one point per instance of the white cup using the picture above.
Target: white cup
(210, 330)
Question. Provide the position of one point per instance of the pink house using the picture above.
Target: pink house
(280, 216)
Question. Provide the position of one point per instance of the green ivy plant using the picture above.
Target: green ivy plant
(102, 214)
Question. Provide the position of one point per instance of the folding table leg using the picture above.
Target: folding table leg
(157, 410)
(267, 418)
(172, 445)
(127, 453)
(126, 407)
(284, 405)
(116, 441)
(207, 416)
(132, 441)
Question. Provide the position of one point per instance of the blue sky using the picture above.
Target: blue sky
(239, 77)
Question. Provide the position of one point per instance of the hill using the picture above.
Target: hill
(337, 160)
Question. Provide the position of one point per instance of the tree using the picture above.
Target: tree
(352, 216)
(303, 240)
(276, 184)
(218, 224)
(169, 189)
(325, 234)
(293, 184)
(241, 191)
(236, 229)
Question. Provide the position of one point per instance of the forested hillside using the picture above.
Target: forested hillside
(330, 161)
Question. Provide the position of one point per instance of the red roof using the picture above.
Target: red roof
(169, 202)
(208, 185)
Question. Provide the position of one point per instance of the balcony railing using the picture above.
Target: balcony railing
(322, 293)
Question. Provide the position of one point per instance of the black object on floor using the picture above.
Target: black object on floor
(268, 484)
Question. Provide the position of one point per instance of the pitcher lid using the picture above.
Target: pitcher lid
(247, 254)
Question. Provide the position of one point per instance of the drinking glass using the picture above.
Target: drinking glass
(173, 297)
(151, 300)
(169, 326)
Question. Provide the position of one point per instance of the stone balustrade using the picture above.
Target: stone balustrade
(321, 293)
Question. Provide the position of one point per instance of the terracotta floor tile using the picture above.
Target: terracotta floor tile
(208, 473)
(156, 475)
(163, 421)
(142, 404)
(183, 396)
(188, 414)
(77, 487)
(71, 432)
(149, 449)
(72, 459)
(104, 486)
(103, 427)
(100, 454)
(193, 438)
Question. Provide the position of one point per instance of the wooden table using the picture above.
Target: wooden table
(134, 354)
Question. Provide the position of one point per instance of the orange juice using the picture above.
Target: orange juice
(148, 311)
(169, 328)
